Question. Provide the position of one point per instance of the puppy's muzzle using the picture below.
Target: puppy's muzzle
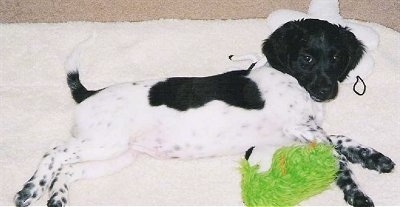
(322, 93)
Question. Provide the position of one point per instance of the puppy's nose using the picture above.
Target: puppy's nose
(325, 91)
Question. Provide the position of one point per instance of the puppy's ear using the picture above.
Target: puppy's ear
(278, 45)
(355, 49)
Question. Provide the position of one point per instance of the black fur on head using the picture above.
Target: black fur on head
(315, 52)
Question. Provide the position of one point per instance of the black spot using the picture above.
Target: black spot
(42, 182)
(65, 186)
(248, 153)
(233, 88)
(66, 150)
(134, 84)
(29, 186)
(45, 155)
(64, 200)
(52, 183)
(177, 148)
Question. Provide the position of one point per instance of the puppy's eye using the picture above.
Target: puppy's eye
(336, 57)
(308, 58)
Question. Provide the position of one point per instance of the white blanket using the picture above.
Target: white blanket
(36, 106)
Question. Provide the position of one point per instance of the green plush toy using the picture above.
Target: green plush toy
(296, 173)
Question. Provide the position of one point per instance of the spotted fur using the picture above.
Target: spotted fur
(114, 124)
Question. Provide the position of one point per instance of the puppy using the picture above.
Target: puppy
(200, 117)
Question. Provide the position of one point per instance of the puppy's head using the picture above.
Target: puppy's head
(315, 52)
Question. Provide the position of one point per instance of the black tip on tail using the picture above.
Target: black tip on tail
(78, 91)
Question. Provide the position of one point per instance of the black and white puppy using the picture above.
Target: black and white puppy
(198, 117)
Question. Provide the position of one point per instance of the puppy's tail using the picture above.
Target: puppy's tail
(78, 91)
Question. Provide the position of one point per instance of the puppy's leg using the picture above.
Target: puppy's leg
(76, 150)
(356, 153)
(352, 193)
(353, 151)
(58, 191)
(50, 164)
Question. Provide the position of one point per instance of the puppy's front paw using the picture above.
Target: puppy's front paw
(374, 160)
(368, 158)
(380, 163)
(359, 199)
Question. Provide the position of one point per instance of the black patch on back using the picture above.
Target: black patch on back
(183, 93)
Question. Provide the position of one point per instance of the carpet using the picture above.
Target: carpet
(36, 106)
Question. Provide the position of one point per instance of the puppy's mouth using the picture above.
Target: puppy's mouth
(323, 96)
(316, 99)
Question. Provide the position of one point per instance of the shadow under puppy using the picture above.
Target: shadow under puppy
(199, 117)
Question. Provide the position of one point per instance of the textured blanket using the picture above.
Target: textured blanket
(36, 106)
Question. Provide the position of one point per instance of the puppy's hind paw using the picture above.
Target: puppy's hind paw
(57, 200)
(24, 197)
